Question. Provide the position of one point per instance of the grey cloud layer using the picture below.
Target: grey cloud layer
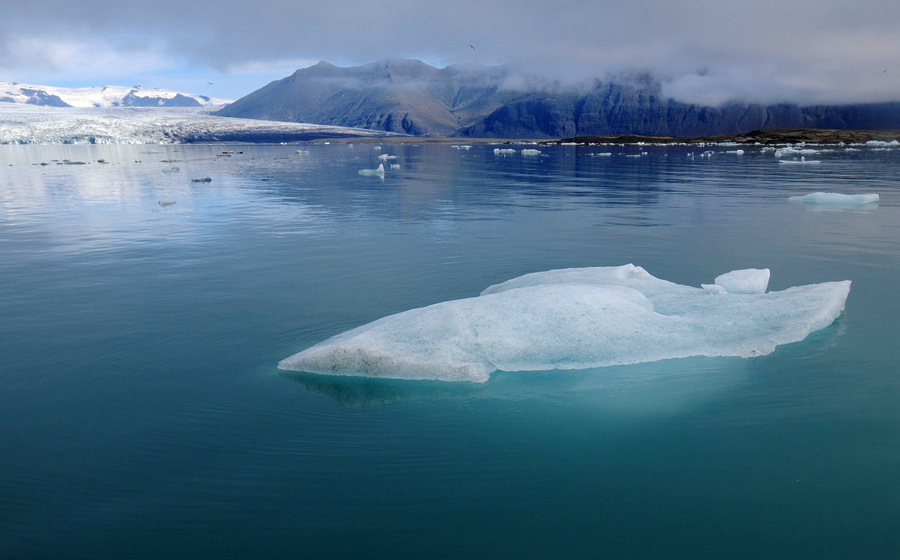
(821, 51)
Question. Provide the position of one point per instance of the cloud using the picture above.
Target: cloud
(800, 51)
(86, 60)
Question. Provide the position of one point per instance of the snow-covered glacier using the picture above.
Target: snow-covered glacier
(28, 124)
(575, 319)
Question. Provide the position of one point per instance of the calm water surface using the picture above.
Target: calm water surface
(142, 414)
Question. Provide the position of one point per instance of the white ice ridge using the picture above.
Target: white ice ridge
(578, 318)
(836, 199)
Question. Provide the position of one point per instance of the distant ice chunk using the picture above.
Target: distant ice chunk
(377, 172)
(575, 319)
(531, 152)
(801, 161)
(883, 143)
(837, 199)
(791, 151)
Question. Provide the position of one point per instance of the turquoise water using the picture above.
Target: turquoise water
(142, 414)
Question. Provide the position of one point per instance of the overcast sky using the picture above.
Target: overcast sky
(709, 51)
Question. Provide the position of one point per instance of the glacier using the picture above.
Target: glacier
(29, 124)
(578, 318)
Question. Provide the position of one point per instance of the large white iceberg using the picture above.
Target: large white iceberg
(575, 319)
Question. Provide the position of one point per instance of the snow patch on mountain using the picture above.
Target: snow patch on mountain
(103, 96)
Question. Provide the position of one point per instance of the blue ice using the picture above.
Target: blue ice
(575, 319)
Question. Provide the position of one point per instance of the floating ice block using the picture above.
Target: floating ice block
(575, 319)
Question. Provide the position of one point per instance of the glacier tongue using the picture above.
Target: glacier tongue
(575, 319)
(27, 124)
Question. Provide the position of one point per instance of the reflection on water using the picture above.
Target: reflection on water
(360, 391)
(141, 409)
(635, 391)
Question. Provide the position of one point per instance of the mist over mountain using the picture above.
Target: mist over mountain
(411, 97)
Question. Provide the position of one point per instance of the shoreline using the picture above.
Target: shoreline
(767, 137)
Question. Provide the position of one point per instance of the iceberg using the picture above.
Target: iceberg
(837, 199)
(578, 318)
(377, 172)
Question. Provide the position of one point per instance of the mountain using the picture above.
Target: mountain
(610, 109)
(406, 96)
(409, 96)
(104, 96)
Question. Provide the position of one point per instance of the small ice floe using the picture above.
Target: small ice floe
(883, 143)
(578, 318)
(735, 152)
(377, 172)
(395, 166)
(385, 157)
(203, 180)
(503, 151)
(600, 154)
(792, 152)
(462, 147)
(166, 202)
(531, 152)
(837, 200)
(802, 160)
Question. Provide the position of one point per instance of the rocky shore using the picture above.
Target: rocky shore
(779, 136)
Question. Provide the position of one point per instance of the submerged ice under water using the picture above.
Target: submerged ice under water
(576, 319)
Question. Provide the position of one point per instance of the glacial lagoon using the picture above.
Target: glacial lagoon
(149, 293)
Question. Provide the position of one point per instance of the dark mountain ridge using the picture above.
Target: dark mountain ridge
(411, 97)
(406, 96)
